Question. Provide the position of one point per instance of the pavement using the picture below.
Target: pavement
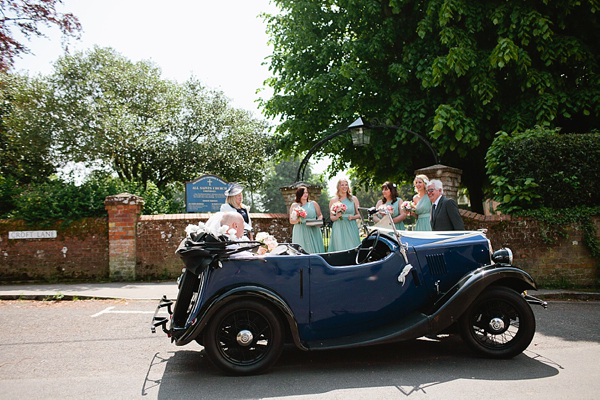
(71, 291)
(155, 290)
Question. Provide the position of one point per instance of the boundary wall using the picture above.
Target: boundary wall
(127, 246)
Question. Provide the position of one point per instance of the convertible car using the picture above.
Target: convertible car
(395, 286)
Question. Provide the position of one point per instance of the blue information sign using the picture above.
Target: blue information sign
(205, 194)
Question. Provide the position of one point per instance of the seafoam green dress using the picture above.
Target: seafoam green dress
(396, 212)
(423, 211)
(309, 237)
(344, 233)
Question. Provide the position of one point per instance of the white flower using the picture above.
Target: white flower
(223, 229)
(270, 242)
(191, 229)
(261, 236)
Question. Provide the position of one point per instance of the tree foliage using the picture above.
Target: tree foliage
(283, 173)
(454, 71)
(148, 129)
(25, 148)
(26, 16)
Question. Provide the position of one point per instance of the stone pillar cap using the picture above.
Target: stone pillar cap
(297, 184)
(438, 167)
(123, 198)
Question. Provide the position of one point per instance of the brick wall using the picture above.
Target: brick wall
(567, 260)
(79, 252)
(81, 249)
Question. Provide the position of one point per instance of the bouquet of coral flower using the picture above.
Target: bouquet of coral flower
(409, 206)
(300, 213)
(269, 243)
(386, 208)
(338, 207)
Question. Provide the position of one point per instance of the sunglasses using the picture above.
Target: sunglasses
(431, 190)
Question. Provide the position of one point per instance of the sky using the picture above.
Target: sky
(223, 44)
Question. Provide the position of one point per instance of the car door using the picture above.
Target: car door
(349, 299)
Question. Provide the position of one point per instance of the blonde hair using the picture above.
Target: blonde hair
(231, 201)
(422, 177)
(338, 189)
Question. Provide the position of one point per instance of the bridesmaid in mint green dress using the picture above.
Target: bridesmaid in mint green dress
(423, 203)
(344, 232)
(308, 237)
(390, 198)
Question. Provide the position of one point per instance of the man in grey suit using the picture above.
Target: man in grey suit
(444, 211)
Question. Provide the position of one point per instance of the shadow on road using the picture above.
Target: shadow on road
(410, 366)
(571, 321)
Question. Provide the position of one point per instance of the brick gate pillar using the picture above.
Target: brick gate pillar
(123, 211)
(289, 193)
(449, 176)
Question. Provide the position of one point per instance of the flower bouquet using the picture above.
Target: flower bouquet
(300, 213)
(384, 209)
(408, 206)
(338, 208)
(269, 243)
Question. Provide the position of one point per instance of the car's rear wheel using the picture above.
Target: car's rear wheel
(244, 337)
(499, 323)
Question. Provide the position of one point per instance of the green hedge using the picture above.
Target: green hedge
(66, 201)
(543, 168)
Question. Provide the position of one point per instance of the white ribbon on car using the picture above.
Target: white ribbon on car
(405, 271)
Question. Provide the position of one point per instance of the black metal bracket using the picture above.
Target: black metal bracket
(304, 163)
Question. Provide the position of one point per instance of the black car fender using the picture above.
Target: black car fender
(238, 293)
(449, 308)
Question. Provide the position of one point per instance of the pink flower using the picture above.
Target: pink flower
(261, 251)
(408, 206)
(338, 207)
(300, 212)
(383, 208)
(270, 243)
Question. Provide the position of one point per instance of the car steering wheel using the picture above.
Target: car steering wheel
(363, 247)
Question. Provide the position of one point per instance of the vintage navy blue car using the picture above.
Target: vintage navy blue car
(395, 286)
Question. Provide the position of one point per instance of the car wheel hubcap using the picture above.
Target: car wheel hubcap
(496, 325)
(244, 338)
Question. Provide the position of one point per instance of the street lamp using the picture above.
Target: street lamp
(361, 136)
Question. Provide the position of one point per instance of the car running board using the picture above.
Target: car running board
(412, 326)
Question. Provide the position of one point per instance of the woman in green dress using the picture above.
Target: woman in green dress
(344, 232)
(390, 199)
(422, 202)
(308, 237)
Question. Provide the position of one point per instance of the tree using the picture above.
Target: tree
(26, 16)
(282, 174)
(149, 129)
(25, 148)
(454, 71)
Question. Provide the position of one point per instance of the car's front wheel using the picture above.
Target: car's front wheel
(244, 338)
(499, 323)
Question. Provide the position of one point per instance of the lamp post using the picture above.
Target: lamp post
(361, 136)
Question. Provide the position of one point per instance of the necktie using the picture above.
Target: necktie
(432, 213)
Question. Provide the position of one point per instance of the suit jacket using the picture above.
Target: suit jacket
(446, 216)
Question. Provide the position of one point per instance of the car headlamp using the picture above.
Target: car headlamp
(503, 256)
